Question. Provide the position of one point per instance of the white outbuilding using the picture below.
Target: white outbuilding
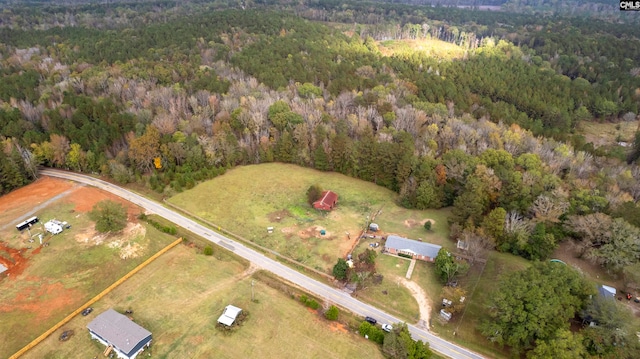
(53, 226)
(229, 315)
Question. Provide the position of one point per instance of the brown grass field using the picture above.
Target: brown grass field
(608, 133)
(44, 283)
(178, 298)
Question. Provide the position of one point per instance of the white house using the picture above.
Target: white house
(229, 315)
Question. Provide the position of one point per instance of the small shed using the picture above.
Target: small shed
(373, 227)
(445, 315)
(607, 292)
(327, 201)
(229, 315)
(116, 331)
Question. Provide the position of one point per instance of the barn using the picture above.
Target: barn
(417, 250)
(327, 201)
(120, 334)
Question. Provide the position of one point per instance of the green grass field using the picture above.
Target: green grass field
(179, 298)
(239, 203)
(432, 47)
(60, 277)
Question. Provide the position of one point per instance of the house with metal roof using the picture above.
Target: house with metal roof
(229, 315)
(416, 249)
(327, 201)
(120, 334)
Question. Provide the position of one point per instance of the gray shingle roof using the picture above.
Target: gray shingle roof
(409, 245)
(118, 330)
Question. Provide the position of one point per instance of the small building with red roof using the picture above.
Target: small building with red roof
(327, 201)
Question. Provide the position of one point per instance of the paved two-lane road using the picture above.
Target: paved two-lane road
(321, 290)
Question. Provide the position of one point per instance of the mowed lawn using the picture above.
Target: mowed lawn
(58, 278)
(179, 297)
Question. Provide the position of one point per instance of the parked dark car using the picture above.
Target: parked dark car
(65, 335)
(371, 320)
(87, 311)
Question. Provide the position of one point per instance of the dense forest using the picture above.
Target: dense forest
(167, 94)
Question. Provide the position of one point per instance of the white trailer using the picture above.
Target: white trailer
(53, 226)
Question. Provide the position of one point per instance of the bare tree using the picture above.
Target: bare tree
(477, 244)
(549, 208)
(61, 147)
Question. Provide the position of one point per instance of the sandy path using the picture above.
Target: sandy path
(421, 298)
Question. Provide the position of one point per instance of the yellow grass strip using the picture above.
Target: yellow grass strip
(64, 321)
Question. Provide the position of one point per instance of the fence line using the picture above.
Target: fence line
(64, 321)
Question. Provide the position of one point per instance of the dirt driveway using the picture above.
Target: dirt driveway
(421, 297)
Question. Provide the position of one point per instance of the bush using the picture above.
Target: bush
(372, 332)
(309, 302)
(109, 216)
(162, 228)
(332, 313)
(208, 251)
(313, 194)
(340, 269)
(405, 255)
(427, 225)
(313, 304)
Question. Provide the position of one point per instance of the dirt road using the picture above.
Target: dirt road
(421, 298)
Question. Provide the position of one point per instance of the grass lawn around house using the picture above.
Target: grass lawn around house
(390, 294)
(240, 203)
(179, 297)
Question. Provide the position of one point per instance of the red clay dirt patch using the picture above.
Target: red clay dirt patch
(85, 198)
(22, 199)
(338, 327)
(13, 260)
(57, 299)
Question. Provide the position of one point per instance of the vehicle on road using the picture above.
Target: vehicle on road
(387, 328)
(87, 311)
(371, 320)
